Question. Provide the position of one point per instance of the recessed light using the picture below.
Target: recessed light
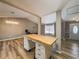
(12, 12)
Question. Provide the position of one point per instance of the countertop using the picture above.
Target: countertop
(47, 40)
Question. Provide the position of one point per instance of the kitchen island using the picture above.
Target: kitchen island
(43, 45)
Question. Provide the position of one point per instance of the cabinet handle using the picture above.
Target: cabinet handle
(39, 45)
(39, 54)
(38, 49)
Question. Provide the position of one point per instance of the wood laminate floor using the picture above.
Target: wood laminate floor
(13, 49)
(70, 50)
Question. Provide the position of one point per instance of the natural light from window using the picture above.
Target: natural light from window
(49, 29)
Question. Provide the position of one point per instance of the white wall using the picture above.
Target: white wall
(13, 30)
(48, 19)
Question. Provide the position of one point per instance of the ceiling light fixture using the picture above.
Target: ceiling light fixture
(11, 22)
(76, 19)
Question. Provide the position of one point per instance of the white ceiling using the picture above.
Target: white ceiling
(8, 11)
(39, 7)
(71, 11)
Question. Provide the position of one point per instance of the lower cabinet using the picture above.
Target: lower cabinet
(28, 44)
(42, 52)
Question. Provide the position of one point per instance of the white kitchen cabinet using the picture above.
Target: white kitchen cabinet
(43, 45)
(42, 52)
(28, 44)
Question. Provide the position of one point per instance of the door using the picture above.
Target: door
(74, 31)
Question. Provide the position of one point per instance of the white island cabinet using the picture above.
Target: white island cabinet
(42, 52)
(28, 44)
(43, 45)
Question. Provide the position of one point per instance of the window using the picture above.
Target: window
(75, 29)
(49, 29)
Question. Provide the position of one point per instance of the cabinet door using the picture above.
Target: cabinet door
(28, 44)
(40, 51)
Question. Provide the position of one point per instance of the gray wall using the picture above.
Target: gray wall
(67, 30)
(13, 30)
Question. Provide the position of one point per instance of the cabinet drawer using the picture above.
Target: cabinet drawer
(39, 46)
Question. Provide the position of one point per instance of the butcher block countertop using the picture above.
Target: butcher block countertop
(47, 40)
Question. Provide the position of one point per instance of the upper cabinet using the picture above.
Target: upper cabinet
(71, 10)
